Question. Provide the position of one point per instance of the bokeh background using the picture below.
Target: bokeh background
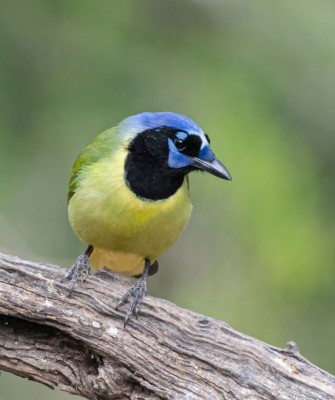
(258, 76)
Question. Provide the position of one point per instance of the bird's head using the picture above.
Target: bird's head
(163, 148)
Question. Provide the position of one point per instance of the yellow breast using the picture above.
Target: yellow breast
(105, 213)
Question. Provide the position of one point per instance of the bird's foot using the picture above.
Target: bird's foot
(80, 270)
(136, 293)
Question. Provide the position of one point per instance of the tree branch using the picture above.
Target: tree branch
(79, 344)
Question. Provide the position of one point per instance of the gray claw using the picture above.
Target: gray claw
(137, 293)
(79, 272)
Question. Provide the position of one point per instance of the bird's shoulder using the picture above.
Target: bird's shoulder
(102, 146)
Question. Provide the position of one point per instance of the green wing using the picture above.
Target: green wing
(101, 146)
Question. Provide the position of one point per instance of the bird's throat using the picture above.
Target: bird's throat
(151, 182)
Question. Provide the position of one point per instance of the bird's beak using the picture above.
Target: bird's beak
(214, 167)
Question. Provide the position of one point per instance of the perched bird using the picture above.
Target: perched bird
(128, 196)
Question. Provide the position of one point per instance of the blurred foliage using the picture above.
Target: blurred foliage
(258, 76)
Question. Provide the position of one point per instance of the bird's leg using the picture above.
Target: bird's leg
(80, 270)
(137, 292)
(153, 269)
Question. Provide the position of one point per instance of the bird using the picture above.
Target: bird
(128, 196)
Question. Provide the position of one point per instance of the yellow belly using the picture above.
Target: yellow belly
(123, 228)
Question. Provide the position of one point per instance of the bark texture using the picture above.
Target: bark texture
(79, 344)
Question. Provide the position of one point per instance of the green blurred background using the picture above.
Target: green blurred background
(258, 76)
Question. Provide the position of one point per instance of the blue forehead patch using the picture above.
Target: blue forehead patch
(206, 153)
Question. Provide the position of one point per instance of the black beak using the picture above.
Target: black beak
(214, 167)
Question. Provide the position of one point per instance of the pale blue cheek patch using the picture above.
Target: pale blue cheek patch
(177, 159)
(206, 154)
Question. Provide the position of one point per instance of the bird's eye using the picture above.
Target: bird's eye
(180, 144)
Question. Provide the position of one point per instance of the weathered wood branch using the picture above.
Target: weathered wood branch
(79, 344)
